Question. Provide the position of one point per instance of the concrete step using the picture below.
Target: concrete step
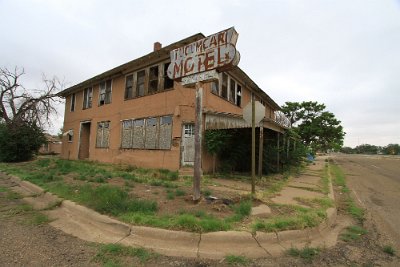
(186, 171)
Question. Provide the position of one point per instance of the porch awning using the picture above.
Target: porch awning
(231, 121)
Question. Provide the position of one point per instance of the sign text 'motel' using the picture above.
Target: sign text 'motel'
(213, 52)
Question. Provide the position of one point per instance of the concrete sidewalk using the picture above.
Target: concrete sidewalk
(91, 226)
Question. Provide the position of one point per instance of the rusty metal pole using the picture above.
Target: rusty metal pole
(197, 141)
(278, 154)
(253, 146)
(260, 149)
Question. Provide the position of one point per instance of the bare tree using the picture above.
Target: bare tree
(19, 105)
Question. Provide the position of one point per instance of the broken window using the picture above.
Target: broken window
(129, 87)
(232, 90)
(87, 97)
(224, 86)
(153, 80)
(103, 134)
(165, 135)
(239, 96)
(140, 82)
(215, 87)
(105, 93)
(168, 83)
(151, 133)
(73, 99)
(70, 135)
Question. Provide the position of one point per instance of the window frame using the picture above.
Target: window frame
(102, 134)
(73, 102)
(144, 123)
(106, 92)
(88, 91)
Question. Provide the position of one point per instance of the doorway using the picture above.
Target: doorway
(187, 144)
(84, 140)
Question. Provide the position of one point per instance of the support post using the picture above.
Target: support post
(197, 141)
(253, 146)
(278, 155)
(260, 149)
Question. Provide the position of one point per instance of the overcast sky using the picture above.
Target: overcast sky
(343, 53)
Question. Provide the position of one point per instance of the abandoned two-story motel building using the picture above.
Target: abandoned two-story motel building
(135, 114)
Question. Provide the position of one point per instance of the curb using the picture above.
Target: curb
(92, 226)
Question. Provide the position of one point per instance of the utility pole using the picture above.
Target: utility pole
(260, 149)
(197, 141)
(253, 146)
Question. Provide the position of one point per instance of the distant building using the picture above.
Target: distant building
(52, 146)
(134, 114)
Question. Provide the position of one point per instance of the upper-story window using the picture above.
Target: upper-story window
(153, 79)
(227, 88)
(148, 81)
(168, 83)
(87, 97)
(73, 100)
(105, 92)
(129, 86)
(141, 75)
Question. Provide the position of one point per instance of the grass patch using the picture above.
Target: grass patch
(307, 253)
(353, 233)
(339, 177)
(38, 219)
(389, 250)
(298, 218)
(12, 195)
(237, 260)
(354, 210)
(109, 254)
(316, 202)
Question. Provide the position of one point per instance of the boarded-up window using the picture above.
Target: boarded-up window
(103, 134)
(138, 134)
(127, 134)
(151, 133)
(129, 87)
(165, 135)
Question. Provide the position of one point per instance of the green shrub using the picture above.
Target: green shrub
(237, 260)
(20, 141)
(389, 250)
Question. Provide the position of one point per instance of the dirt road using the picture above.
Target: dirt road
(375, 181)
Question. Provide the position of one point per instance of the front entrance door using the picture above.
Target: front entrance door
(84, 140)
(188, 144)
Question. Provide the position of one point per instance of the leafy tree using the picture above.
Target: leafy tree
(392, 149)
(23, 113)
(215, 141)
(19, 142)
(367, 149)
(318, 129)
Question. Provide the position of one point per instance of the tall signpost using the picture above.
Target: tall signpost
(254, 113)
(196, 63)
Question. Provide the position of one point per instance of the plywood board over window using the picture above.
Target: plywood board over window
(147, 133)
(138, 134)
(103, 134)
(151, 133)
(127, 131)
(165, 132)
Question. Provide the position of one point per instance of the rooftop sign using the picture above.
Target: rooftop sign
(216, 51)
